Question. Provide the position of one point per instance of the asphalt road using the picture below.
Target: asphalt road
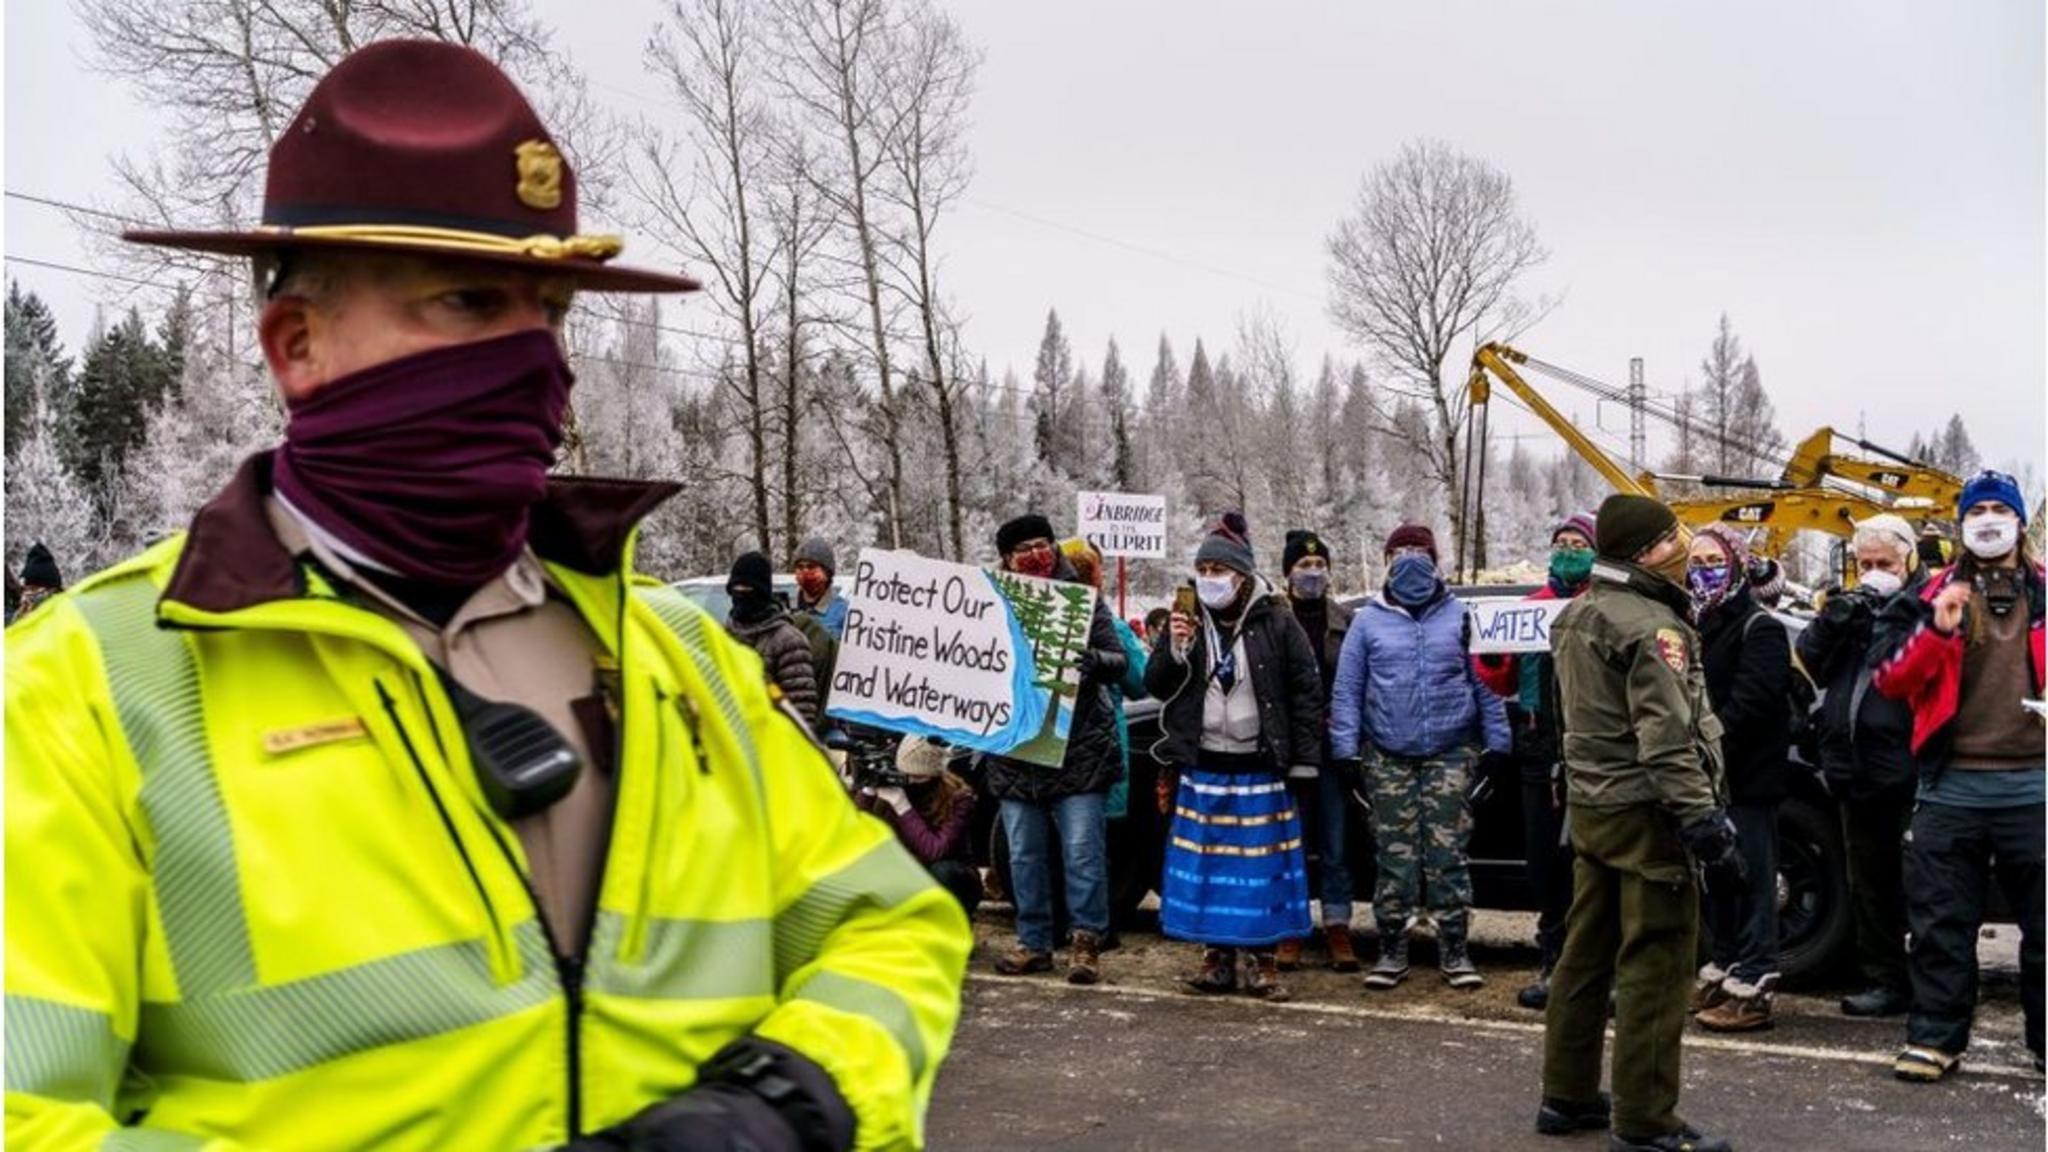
(1135, 1065)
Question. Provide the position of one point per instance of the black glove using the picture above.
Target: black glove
(755, 1096)
(1710, 840)
(1496, 766)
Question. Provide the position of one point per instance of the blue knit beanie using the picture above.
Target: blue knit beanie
(1992, 485)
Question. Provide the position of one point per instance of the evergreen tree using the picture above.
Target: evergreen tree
(120, 381)
(1050, 401)
(37, 371)
(1116, 402)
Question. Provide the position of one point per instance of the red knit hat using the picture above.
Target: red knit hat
(1411, 536)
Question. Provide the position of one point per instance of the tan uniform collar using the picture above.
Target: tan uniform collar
(234, 559)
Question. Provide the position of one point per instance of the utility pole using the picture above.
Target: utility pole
(1636, 399)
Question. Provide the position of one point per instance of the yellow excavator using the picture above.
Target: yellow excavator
(1775, 510)
(1909, 483)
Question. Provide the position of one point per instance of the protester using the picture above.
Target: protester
(1963, 654)
(760, 621)
(1305, 564)
(1642, 767)
(1069, 800)
(274, 902)
(1866, 755)
(814, 568)
(40, 580)
(1155, 623)
(1748, 660)
(1087, 565)
(1766, 579)
(1409, 702)
(1244, 705)
(933, 815)
(1529, 683)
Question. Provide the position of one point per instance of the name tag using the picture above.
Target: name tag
(312, 735)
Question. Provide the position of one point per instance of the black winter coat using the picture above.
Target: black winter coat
(1094, 759)
(786, 652)
(1285, 677)
(1866, 738)
(1747, 657)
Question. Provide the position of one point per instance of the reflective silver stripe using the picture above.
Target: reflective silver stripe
(883, 878)
(154, 678)
(258, 1033)
(150, 1140)
(883, 1006)
(686, 620)
(62, 1051)
(685, 959)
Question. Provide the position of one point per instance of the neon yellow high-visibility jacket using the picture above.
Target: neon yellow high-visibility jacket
(256, 899)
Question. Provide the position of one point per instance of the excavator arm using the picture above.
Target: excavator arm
(1498, 361)
(1907, 482)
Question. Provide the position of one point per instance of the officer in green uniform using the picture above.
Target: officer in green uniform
(1642, 752)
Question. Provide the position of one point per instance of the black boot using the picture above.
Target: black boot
(1686, 1139)
(1564, 1117)
(1393, 963)
(1877, 1002)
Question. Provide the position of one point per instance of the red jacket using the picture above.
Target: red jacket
(1925, 669)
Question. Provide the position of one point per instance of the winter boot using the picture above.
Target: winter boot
(1686, 1139)
(1455, 962)
(1392, 967)
(1262, 978)
(1563, 1117)
(1747, 1007)
(1289, 955)
(1536, 995)
(1084, 959)
(1022, 961)
(1877, 1002)
(1217, 976)
(1342, 958)
(1707, 990)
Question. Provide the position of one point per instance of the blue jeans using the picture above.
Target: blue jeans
(1331, 809)
(1744, 921)
(1083, 859)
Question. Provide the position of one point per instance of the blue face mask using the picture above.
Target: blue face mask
(1309, 583)
(1707, 583)
(1413, 581)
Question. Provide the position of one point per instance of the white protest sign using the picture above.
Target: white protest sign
(1122, 523)
(982, 660)
(1501, 625)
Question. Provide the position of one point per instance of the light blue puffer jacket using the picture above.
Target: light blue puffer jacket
(1406, 686)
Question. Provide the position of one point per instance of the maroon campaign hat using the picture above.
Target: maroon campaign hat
(423, 146)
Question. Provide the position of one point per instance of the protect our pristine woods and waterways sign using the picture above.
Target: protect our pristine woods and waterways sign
(1502, 626)
(1122, 523)
(983, 660)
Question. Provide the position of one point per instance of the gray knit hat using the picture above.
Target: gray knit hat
(1229, 544)
(817, 551)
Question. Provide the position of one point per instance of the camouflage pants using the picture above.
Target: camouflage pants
(1420, 824)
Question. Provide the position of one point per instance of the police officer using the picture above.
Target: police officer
(386, 807)
(1642, 760)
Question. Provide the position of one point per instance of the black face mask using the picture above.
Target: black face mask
(751, 607)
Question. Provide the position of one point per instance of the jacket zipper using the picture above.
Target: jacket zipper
(569, 970)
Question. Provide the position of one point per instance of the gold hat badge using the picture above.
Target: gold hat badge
(540, 175)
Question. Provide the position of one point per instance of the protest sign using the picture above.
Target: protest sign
(1501, 626)
(1122, 523)
(983, 660)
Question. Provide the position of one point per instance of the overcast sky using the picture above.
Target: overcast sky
(1859, 185)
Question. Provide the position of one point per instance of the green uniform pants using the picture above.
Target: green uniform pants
(1632, 930)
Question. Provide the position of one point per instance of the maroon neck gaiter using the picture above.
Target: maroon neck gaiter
(430, 464)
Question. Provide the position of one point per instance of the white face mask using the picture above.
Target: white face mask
(1216, 591)
(1990, 537)
(1882, 582)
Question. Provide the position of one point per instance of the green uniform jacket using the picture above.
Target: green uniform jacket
(1637, 725)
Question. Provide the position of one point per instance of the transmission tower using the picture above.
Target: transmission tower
(1636, 397)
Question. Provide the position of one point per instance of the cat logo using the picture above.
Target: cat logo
(1751, 513)
(1888, 479)
(540, 175)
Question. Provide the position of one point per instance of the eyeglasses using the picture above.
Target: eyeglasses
(1032, 548)
(1408, 550)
